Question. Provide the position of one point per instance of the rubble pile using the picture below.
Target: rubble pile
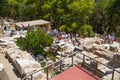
(63, 49)
(104, 53)
(94, 40)
(115, 61)
(109, 76)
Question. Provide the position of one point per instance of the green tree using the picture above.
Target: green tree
(59, 12)
(77, 14)
(113, 12)
(53, 10)
(70, 15)
(4, 8)
(86, 30)
(99, 17)
(28, 9)
(35, 42)
(23, 9)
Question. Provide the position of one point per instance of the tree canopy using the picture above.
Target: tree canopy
(113, 12)
(68, 15)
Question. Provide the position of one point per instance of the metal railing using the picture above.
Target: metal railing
(60, 67)
(47, 67)
(96, 71)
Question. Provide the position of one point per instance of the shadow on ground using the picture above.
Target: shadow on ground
(16, 72)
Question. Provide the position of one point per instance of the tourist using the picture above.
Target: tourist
(78, 43)
(4, 29)
(55, 32)
(23, 27)
(106, 39)
(28, 27)
(35, 28)
(0, 26)
(112, 38)
(109, 38)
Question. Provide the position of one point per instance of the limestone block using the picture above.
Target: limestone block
(98, 42)
(25, 66)
(1, 67)
(87, 48)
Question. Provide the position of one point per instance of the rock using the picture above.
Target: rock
(87, 48)
(115, 62)
(114, 48)
(1, 67)
(25, 66)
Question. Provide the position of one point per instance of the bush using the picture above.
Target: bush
(35, 42)
(42, 64)
(68, 29)
(86, 30)
(64, 28)
(50, 55)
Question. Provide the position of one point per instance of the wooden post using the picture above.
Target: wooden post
(60, 65)
(96, 66)
(83, 60)
(72, 59)
(113, 74)
(31, 77)
(47, 73)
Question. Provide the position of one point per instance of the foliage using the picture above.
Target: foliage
(81, 9)
(35, 42)
(64, 28)
(59, 12)
(20, 9)
(78, 11)
(21, 42)
(3, 8)
(86, 30)
(99, 17)
(69, 29)
(51, 56)
(42, 64)
(68, 15)
(106, 16)
(113, 12)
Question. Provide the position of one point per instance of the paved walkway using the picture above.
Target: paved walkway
(8, 68)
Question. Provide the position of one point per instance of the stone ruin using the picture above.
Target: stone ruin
(115, 61)
(108, 54)
(22, 61)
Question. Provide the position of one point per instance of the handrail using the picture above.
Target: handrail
(48, 65)
(101, 63)
(71, 55)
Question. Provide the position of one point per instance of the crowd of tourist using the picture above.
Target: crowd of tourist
(110, 38)
(67, 37)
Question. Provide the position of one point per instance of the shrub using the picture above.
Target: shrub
(86, 30)
(42, 64)
(35, 42)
